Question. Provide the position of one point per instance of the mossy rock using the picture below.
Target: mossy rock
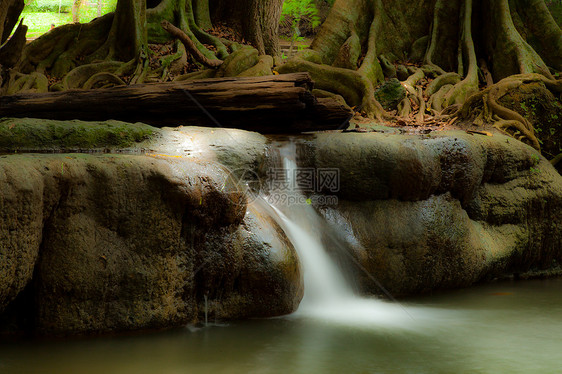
(29, 134)
(390, 94)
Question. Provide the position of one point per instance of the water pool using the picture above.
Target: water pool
(504, 327)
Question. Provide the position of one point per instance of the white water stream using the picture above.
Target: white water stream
(327, 294)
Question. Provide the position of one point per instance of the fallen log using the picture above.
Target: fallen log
(273, 104)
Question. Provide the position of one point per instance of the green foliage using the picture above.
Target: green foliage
(297, 9)
(535, 160)
(46, 6)
(39, 15)
(39, 23)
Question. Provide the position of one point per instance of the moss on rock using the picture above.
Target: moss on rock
(390, 94)
(27, 134)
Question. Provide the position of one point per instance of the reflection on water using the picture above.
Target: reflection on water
(513, 327)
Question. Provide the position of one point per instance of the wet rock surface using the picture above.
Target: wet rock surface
(161, 230)
(442, 210)
(95, 243)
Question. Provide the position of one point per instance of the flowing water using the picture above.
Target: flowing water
(327, 294)
(508, 327)
(504, 327)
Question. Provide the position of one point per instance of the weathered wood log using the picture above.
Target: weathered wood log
(274, 104)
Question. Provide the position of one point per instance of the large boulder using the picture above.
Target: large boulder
(105, 242)
(444, 210)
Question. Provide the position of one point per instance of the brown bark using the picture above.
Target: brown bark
(269, 17)
(273, 104)
(256, 20)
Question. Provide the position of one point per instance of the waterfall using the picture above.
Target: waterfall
(327, 294)
(324, 283)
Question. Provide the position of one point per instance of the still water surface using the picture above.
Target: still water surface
(508, 327)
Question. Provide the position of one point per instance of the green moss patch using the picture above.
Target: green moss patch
(28, 134)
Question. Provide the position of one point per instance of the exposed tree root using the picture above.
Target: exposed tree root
(261, 68)
(443, 80)
(77, 53)
(456, 65)
(103, 78)
(510, 53)
(34, 82)
(356, 48)
(238, 62)
(556, 160)
(189, 45)
(349, 53)
(518, 130)
(484, 107)
(203, 74)
(354, 87)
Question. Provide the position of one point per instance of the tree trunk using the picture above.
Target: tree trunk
(275, 104)
(10, 11)
(129, 29)
(256, 20)
(10, 52)
(202, 15)
(76, 10)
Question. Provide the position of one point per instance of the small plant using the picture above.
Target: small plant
(535, 159)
